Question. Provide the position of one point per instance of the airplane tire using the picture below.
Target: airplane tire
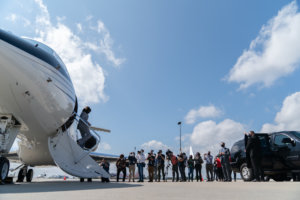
(29, 175)
(246, 173)
(4, 168)
(21, 175)
(89, 179)
(81, 179)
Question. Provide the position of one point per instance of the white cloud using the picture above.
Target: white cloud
(274, 53)
(12, 17)
(154, 145)
(207, 135)
(79, 27)
(103, 146)
(106, 43)
(87, 75)
(288, 118)
(202, 112)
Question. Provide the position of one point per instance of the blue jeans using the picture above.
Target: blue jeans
(191, 173)
(141, 174)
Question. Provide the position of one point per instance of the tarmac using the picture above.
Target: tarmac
(72, 189)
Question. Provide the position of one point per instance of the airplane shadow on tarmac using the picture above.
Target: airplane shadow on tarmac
(56, 186)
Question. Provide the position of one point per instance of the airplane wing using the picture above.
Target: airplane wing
(108, 157)
(99, 129)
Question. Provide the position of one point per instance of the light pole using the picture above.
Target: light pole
(179, 123)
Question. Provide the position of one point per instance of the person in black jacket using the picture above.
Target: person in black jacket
(121, 167)
(253, 149)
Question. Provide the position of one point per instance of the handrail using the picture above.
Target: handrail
(94, 133)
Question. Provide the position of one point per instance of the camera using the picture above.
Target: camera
(169, 154)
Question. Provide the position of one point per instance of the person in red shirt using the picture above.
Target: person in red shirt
(174, 162)
(219, 168)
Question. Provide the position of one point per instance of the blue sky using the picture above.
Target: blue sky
(220, 67)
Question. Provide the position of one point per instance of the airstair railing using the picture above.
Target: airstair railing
(93, 133)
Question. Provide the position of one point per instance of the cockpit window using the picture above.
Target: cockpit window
(62, 68)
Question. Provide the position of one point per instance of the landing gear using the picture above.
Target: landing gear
(29, 175)
(24, 172)
(88, 180)
(4, 168)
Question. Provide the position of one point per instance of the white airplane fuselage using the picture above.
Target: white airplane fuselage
(37, 92)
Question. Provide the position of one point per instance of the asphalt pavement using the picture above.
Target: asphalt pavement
(41, 189)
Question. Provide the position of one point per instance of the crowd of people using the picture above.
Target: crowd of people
(158, 164)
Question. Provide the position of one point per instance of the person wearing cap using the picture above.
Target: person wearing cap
(121, 167)
(224, 156)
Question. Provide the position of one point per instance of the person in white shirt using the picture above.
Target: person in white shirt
(140, 157)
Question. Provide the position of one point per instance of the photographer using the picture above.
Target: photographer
(174, 162)
(198, 166)
(160, 164)
(121, 167)
(132, 161)
(151, 161)
(181, 166)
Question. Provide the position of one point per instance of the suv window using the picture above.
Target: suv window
(278, 140)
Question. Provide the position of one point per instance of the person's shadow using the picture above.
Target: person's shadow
(56, 186)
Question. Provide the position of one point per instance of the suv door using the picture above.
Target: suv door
(282, 151)
(267, 162)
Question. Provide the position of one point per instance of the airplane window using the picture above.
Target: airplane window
(278, 140)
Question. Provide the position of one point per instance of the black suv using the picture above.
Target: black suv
(281, 156)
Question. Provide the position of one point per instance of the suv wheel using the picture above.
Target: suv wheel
(246, 173)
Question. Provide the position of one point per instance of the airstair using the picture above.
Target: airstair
(72, 158)
(9, 129)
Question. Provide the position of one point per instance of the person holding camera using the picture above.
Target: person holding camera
(191, 166)
(140, 157)
(198, 166)
(174, 162)
(181, 166)
(151, 162)
(121, 167)
(132, 161)
(160, 165)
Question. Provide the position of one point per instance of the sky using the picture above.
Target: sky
(220, 67)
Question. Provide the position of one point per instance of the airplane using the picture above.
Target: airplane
(38, 105)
